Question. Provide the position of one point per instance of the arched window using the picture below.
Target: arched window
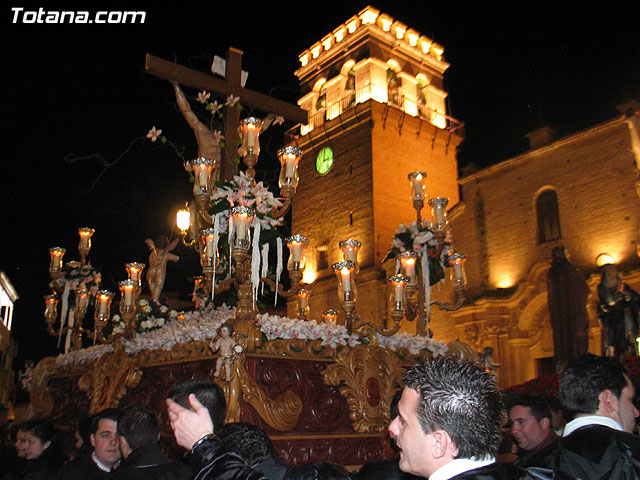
(548, 217)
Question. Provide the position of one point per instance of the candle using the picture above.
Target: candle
(85, 238)
(250, 130)
(134, 270)
(296, 244)
(56, 258)
(398, 282)
(289, 158)
(408, 263)
(438, 205)
(202, 168)
(241, 218)
(417, 185)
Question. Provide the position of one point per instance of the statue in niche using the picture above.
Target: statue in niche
(158, 259)
(487, 361)
(227, 347)
(619, 314)
(568, 294)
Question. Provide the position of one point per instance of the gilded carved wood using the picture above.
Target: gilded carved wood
(108, 380)
(281, 413)
(41, 402)
(368, 379)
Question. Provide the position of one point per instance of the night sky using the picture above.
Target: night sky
(76, 91)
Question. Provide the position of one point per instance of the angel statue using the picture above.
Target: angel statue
(160, 255)
(228, 349)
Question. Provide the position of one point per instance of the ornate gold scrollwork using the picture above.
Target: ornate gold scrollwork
(108, 380)
(367, 378)
(281, 412)
(41, 402)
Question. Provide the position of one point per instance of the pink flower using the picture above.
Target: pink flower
(203, 96)
(153, 134)
(231, 101)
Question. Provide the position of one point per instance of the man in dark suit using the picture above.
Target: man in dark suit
(138, 434)
(448, 425)
(597, 443)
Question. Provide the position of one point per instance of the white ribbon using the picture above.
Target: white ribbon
(255, 262)
(216, 235)
(65, 307)
(425, 280)
(265, 264)
(278, 267)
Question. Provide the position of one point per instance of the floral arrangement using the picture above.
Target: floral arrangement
(332, 335)
(199, 325)
(413, 343)
(203, 324)
(75, 276)
(146, 321)
(81, 356)
(419, 238)
(243, 192)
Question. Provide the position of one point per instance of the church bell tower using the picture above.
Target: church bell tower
(373, 88)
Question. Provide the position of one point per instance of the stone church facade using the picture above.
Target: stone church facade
(373, 89)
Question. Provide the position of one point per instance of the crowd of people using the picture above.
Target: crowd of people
(447, 424)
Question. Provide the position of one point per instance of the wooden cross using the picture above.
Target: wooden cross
(229, 86)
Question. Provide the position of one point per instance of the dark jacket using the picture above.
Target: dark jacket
(149, 462)
(84, 468)
(383, 470)
(495, 471)
(213, 462)
(45, 467)
(531, 458)
(278, 469)
(595, 452)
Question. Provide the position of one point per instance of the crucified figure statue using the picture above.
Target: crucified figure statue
(208, 141)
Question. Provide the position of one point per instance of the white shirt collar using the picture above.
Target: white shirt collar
(459, 465)
(98, 463)
(579, 422)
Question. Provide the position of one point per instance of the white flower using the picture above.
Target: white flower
(153, 134)
(279, 120)
(231, 101)
(164, 308)
(203, 96)
(143, 302)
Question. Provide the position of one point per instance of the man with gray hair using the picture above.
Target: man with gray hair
(448, 423)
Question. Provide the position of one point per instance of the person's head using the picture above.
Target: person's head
(104, 437)
(208, 394)
(449, 409)
(225, 330)
(530, 421)
(33, 438)
(250, 442)
(83, 432)
(558, 419)
(137, 426)
(595, 385)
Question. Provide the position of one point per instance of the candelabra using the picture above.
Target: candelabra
(202, 228)
(410, 287)
(74, 285)
(416, 288)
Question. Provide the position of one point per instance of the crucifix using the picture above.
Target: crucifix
(229, 86)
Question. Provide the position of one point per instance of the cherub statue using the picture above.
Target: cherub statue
(487, 361)
(160, 255)
(226, 344)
